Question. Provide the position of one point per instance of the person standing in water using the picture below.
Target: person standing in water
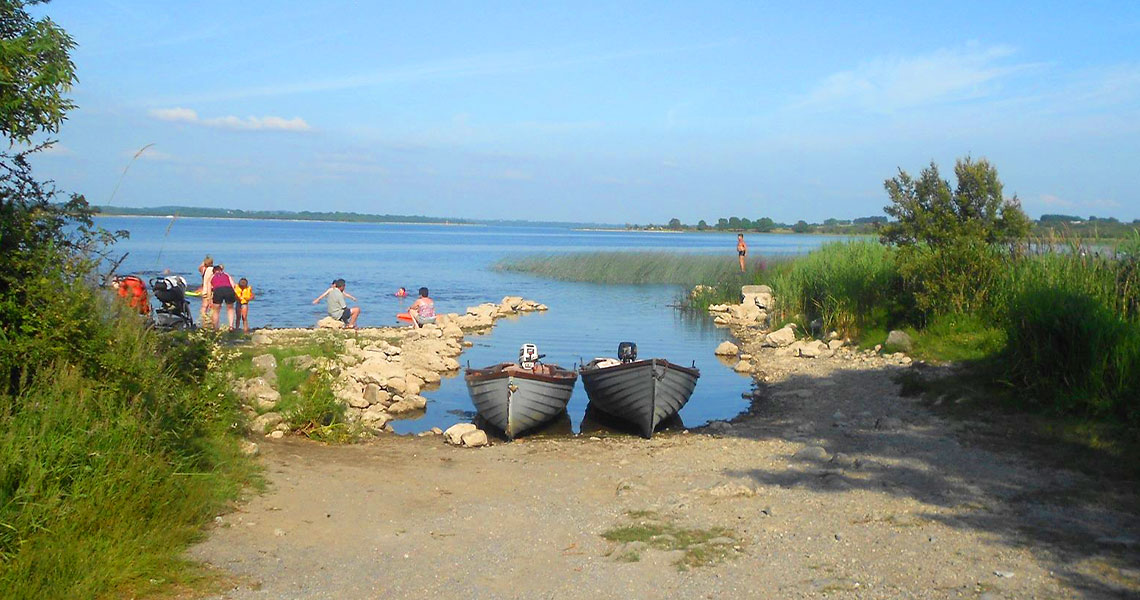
(741, 250)
(207, 271)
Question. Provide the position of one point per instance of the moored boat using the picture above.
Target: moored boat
(518, 397)
(644, 393)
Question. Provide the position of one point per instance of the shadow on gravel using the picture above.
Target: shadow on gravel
(980, 472)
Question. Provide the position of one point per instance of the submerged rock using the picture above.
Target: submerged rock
(726, 348)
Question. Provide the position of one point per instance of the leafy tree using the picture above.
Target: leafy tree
(734, 223)
(35, 72)
(722, 223)
(949, 238)
(745, 223)
(675, 224)
(929, 212)
(764, 225)
(701, 225)
(801, 226)
(42, 240)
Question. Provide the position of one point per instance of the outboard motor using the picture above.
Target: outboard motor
(627, 352)
(529, 356)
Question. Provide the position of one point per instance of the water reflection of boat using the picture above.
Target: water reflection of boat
(596, 421)
(514, 398)
(643, 392)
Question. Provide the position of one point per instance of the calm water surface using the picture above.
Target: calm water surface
(289, 263)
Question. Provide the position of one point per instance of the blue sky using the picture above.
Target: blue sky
(611, 112)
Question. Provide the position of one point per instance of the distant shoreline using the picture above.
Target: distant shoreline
(283, 220)
(192, 212)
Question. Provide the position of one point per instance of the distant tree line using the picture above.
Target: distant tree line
(1049, 224)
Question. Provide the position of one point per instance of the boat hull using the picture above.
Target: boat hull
(644, 393)
(517, 402)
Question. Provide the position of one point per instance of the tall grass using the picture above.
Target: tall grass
(629, 267)
(112, 455)
(1073, 326)
(849, 286)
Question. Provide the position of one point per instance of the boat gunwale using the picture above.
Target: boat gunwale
(693, 371)
(498, 371)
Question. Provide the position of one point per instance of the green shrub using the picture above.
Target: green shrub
(315, 406)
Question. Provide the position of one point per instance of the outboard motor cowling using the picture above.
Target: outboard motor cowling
(627, 352)
(529, 356)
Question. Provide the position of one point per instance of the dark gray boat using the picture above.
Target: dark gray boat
(515, 398)
(644, 393)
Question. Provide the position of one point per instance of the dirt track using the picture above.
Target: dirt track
(905, 504)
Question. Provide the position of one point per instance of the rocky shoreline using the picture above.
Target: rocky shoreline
(379, 374)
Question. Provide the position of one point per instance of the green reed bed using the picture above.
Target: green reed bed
(627, 267)
(1073, 327)
(849, 286)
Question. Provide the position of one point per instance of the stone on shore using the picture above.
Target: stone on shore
(266, 422)
(454, 434)
(727, 348)
(899, 341)
(474, 439)
(266, 364)
(743, 367)
(781, 337)
(330, 323)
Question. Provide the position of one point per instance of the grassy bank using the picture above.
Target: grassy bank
(116, 447)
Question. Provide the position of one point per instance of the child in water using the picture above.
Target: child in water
(244, 294)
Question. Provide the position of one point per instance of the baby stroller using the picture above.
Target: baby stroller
(174, 315)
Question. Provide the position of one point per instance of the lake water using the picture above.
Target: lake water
(289, 263)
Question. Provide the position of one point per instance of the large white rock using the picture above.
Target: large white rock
(726, 348)
(266, 422)
(330, 323)
(781, 337)
(898, 340)
(400, 407)
(754, 289)
(416, 401)
(375, 416)
(474, 439)
(813, 349)
(454, 434)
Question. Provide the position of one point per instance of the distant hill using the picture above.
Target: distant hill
(346, 217)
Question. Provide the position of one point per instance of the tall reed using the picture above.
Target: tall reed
(628, 267)
(848, 286)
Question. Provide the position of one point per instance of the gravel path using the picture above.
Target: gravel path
(832, 486)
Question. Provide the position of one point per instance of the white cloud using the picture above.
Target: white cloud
(269, 123)
(887, 84)
(1051, 200)
(1096, 203)
(177, 115)
(514, 175)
